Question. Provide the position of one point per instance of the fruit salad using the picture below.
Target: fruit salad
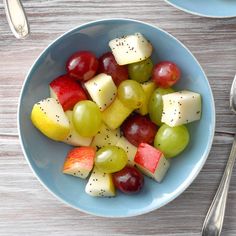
(120, 114)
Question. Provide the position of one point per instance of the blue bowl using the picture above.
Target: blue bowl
(207, 8)
(46, 157)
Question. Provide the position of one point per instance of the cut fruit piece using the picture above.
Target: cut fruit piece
(181, 108)
(102, 90)
(74, 138)
(151, 162)
(130, 48)
(129, 148)
(115, 114)
(79, 162)
(48, 116)
(100, 184)
(105, 136)
(67, 91)
(148, 88)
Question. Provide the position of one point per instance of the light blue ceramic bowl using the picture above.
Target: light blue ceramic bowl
(46, 157)
(207, 8)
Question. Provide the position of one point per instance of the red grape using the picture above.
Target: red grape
(139, 129)
(128, 180)
(108, 65)
(82, 65)
(165, 74)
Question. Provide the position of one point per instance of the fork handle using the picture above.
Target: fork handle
(16, 18)
(213, 223)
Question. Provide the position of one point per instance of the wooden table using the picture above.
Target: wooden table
(26, 208)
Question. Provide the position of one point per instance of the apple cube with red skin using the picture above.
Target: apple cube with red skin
(79, 161)
(151, 161)
(67, 91)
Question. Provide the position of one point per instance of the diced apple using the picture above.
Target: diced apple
(130, 48)
(48, 116)
(148, 88)
(100, 184)
(115, 114)
(151, 162)
(129, 148)
(105, 136)
(79, 162)
(102, 90)
(181, 108)
(67, 91)
(74, 138)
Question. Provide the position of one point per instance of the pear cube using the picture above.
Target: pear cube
(115, 114)
(105, 136)
(102, 90)
(100, 184)
(130, 48)
(148, 88)
(181, 108)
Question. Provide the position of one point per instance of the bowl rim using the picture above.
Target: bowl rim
(199, 14)
(182, 187)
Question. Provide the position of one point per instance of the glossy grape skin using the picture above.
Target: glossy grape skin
(128, 180)
(82, 65)
(171, 140)
(155, 105)
(87, 118)
(141, 71)
(131, 94)
(110, 159)
(139, 129)
(165, 74)
(108, 65)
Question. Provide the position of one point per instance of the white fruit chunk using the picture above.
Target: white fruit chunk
(131, 48)
(102, 90)
(105, 136)
(181, 108)
(48, 116)
(100, 184)
(74, 138)
(148, 88)
(129, 148)
(151, 162)
(115, 114)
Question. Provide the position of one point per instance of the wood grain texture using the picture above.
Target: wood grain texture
(26, 208)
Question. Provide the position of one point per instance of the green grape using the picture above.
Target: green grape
(140, 71)
(86, 118)
(110, 159)
(155, 105)
(131, 94)
(171, 140)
